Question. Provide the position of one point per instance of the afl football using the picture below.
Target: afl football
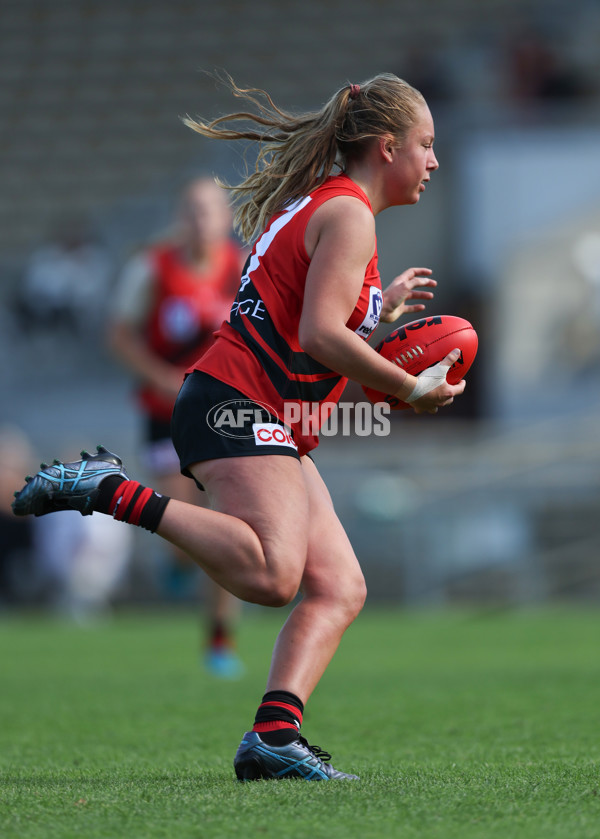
(423, 343)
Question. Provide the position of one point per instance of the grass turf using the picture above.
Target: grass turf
(459, 724)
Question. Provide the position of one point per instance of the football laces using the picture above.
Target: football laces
(405, 357)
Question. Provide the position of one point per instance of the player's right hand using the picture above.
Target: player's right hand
(431, 390)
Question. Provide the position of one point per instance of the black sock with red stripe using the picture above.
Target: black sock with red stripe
(278, 718)
(131, 502)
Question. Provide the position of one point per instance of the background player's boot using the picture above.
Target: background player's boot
(67, 486)
(223, 662)
(256, 760)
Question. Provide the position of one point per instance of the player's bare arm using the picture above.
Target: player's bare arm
(340, 240)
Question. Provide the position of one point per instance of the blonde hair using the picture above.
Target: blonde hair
(298, 152)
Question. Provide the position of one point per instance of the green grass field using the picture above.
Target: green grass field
(460, 725)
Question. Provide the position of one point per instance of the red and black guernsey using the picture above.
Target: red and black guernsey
(187, 307)
(257, 351)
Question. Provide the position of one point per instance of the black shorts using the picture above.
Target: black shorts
(213, 420)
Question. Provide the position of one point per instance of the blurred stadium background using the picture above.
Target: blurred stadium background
(497, 500)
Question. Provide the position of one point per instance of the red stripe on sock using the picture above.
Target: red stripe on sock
(274, 725)
(121, 498)
(291, 708)
(139, 505)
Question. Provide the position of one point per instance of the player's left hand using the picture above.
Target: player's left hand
(406, 287)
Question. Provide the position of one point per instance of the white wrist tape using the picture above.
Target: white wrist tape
(428, 380)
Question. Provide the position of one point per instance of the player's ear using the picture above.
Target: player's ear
(386, 147)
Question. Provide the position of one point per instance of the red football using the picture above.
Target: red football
(421, 344)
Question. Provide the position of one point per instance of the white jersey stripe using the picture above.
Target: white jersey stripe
(264, 242)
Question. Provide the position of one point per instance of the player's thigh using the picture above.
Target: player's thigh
(269, 493)
(332, 570)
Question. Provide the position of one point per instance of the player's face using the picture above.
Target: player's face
(414, 161)
(205, 215)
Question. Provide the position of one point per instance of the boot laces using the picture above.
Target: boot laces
(316, 750)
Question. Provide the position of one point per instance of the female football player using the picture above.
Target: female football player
(171, 297)
(244, 422)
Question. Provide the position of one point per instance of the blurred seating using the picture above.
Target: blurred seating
(91, 92)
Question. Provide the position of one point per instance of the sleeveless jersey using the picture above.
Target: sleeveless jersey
(187, 307)
(257, 351)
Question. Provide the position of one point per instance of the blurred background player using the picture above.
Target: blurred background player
(171, 297)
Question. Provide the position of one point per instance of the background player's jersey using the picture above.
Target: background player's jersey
(185, 308)
(258, 351)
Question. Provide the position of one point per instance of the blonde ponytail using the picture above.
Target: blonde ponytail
(297, 153)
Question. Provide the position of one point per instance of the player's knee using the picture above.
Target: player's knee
(277, 595)
(345, 594)
(282, 596)
(355, 596)
(276, 589)
(349, 597)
